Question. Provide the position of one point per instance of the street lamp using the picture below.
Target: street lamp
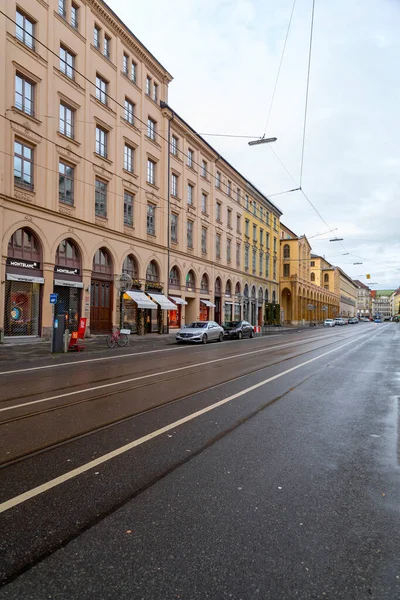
(263, 140)
(336, 239)
(357, 263)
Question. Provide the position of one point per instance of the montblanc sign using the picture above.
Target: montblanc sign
(66, 270)
(24, 264)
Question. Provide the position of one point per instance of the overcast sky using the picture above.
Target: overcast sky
(224, 57)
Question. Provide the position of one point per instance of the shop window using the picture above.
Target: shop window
(24, 245)
(68, 255)
(190, 281)
(130, 267)
(102, 262)
(228, 288)
(152, 273)
(174, 278)
(204, 286)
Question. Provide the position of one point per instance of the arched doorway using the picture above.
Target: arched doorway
(260, 307)
(228, 302)
(286, 305)
(253, 305)
(153, 284)
(24, 279)
(217, 296)
(68, 283)
(101, 292)
(204, 309)
(237, 308)
(246, 306)
(175, 316)
(129, 306)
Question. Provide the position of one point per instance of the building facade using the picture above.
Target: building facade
(395, 303)
(364, 300)
(93, 186)
(381, 307)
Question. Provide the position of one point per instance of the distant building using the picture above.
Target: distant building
(381, 303)
(395, 303)
(364, 299)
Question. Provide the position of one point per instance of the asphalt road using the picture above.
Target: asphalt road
(265, 468)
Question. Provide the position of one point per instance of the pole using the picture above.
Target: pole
(169, 210)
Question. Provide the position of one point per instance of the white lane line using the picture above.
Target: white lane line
(118, 451)
(150, 375)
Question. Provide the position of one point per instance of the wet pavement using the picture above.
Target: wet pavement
(278, 478)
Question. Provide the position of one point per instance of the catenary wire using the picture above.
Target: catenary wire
(307, 93)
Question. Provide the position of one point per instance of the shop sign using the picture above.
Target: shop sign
(24, 264)
(66, 270)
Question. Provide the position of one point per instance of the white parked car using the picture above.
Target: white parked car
(340, 321)
(329, 323)
(201, 331)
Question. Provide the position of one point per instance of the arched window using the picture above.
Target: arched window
(24, 244)
(246, 291)
(204, 286)
(312, 276)
(68, 255)
(130, 266)
(152, 273)
(228, 288)
(237, 289)
(102, 262)
(286, 251)
(218, 286)
(273, 297)
(260, 296)
(190, 280)
(174, 277)
(253, 291)
(326, 278)
(266, 295)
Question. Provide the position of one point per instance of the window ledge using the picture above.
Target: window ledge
(150, 235)
(153, 185)
(68, 79)
(68, 139)
(101, 220)
(25, 115)
(130, 173)
(126, 76)
(131, 125)
(70, 27)
(99, 53)
(104, 106)
(191, 169)
(153, 142)
(101, 157)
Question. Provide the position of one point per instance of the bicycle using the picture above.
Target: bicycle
(119, 336)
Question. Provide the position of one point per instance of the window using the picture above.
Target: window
(174, 185)
(66, 124)
(229, 218)
(246, 202)
(267, 217)
(228, 250)
(229, 188)
(246, 258)
(106, 46)
(125, 59)
(275, 223)
(61, 8)
(133, 72)
(261, 213)
(326, 278)
(101, 142)
(312, 263)
(24, 94)
(286, 270)
(254, 207)
(151, 219)
(151, 171)
(238, 223)
(24, 29)
(67, 63)
(274, 275)
(101, 89)
(74, 16)
(238, 250)
(204, 240)
(23, 165)
(267, 266)
(128, 209)
(148, 86)
(312, 277)
(129, 111)
(218, 211)
(204, 286)
(261, 263)
(204, 203)
(190, 234)
(274, 244)
(174, 227)
(218, 245)
(246, 228)
(190, 158)
(155, 92)
(204, 168)
(65, 183)
(261, 237)
(286, 251)
(218, 179)
(174, 145)
(190, 194)
(254, 260)
(100, 198)
(267, 239)
(96, 37)
(128, 158)
(254, 233)
(151, 129)
(237, 194)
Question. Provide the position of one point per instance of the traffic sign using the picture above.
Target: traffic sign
(53, 298)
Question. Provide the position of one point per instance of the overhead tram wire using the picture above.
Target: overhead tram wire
(307, 93)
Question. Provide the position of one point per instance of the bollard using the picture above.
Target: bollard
(66, 338)
(1, 336)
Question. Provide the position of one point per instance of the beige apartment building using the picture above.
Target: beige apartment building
(101, 177)
(364, 299)
(338, 282)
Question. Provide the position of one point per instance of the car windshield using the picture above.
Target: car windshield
(197, 325)
(232, 323)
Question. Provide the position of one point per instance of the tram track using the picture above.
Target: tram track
(114, 422)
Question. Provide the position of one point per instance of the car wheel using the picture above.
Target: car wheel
(221, 337)
(240, 335)
(252, 333)
(204, 339)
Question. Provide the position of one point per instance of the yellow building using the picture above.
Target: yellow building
(304, 296)
(261, 257)
(335, 280)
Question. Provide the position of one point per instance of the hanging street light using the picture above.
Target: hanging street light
(263, 140)
(336, 239)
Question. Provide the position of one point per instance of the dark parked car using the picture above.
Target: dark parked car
(238, 329)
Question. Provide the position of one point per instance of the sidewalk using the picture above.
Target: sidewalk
(16, 353)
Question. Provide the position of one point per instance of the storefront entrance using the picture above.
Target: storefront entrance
(68, 304)
(101, 293)
(68, 283)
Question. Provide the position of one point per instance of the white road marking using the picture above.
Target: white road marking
(150, 375)
(12, 502)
